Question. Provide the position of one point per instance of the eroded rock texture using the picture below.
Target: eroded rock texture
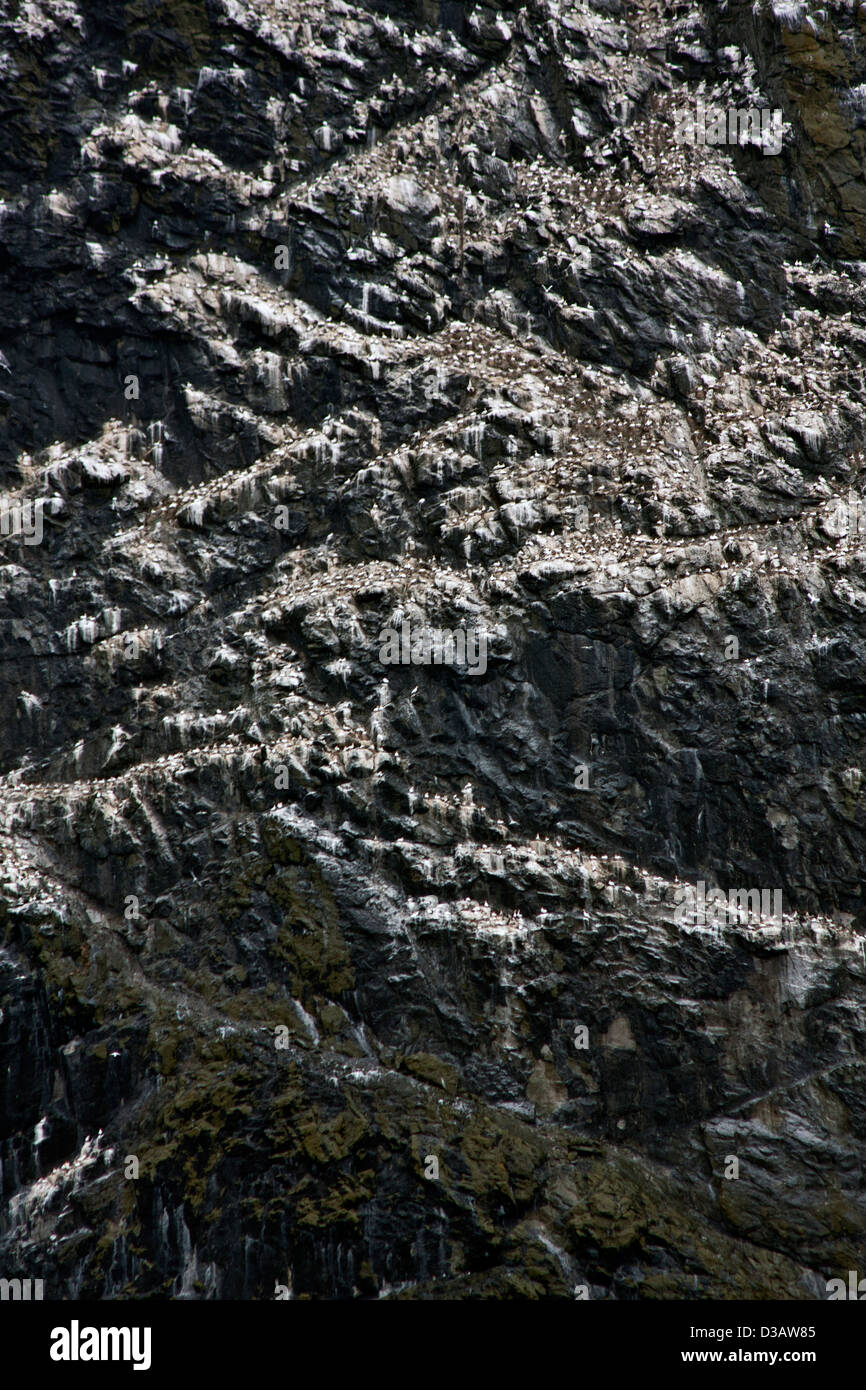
(321, 318)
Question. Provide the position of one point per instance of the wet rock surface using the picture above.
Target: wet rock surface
(373, 980)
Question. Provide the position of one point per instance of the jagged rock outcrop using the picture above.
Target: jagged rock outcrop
(363, 979)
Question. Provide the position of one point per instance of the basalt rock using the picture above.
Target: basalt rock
(334, 977)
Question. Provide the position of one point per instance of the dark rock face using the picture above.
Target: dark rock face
(357, 979)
